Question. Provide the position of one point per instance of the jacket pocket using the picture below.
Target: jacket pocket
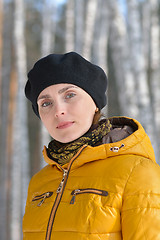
(41, 198)
(87, 190)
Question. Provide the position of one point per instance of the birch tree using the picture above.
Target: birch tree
(1, 40)
(3, 197)
(79, 25)
(4, 163)
(89, 27)
(47, 46)
(155, 66)
(138, 65)
(69, 28)
(20, 151)
(100, 40)
(117, 45)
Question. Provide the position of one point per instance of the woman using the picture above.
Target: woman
(101, 181)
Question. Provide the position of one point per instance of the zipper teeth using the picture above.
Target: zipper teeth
(47, 194)
(59, 196)
(88, 191)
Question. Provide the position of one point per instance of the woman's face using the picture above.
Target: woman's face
(66, 111)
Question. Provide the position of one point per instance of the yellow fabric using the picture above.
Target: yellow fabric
(131, 211)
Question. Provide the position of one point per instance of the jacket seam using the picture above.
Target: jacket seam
(88, 232)
(145, 194)
(157, 208)
(130, 177)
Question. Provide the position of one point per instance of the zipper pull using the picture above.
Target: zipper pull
(62, 182)
(74, 196)
(42, 201)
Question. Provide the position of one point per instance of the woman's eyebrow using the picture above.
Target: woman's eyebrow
(59, 92)
(65, 89)
(43, 97)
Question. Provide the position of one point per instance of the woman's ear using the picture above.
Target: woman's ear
(97, 109)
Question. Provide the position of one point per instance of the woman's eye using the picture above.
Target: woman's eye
(46, 104)
(70, 95)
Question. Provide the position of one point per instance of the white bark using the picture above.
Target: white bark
(100, 40)
(48, 27)
(3, 196)
(47, 47)
(1, 40)
(119, 52)
(69, 34)
(155, 67)
(89, 27)
(4, 145)
(79, 25)
(20, 160)
(138, 63)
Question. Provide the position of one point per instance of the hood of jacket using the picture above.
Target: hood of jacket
(127, 137)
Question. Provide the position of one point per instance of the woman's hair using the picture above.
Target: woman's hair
(97, 117)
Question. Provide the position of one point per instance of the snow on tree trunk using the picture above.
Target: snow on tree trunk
(138, 65)
(20, 159)
(47, 47)
(69, 34)
(89, 27)
(79, 25)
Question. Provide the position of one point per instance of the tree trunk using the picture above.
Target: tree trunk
(155, 67)
(1, 53)
(4, 163)
(20, 158)
(118, 51)
(89, 28)
(100, 39)
(69, 34)
(138, 64)
(79, 25)
(47, 47)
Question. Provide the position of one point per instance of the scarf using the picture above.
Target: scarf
(63, 152)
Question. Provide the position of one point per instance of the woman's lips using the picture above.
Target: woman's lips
(63, 125)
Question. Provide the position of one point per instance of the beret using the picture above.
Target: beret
(69, 68)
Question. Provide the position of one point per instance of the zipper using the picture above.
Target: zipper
(87, 190)
(56, 204)
(42, 197)
(65, 172)
(60, 191)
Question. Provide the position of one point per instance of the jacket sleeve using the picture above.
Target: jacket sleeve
(140, 216)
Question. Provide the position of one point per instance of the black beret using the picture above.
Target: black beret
(66, 68)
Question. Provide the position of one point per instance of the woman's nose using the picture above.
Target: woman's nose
(59, 110)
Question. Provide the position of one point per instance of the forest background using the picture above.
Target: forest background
(122, 36)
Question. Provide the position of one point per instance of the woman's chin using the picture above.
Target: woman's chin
(66, 139)
(69, 136)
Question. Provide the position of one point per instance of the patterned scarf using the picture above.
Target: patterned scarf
(63, 152)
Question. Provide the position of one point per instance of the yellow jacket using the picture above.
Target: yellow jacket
(107, 192)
